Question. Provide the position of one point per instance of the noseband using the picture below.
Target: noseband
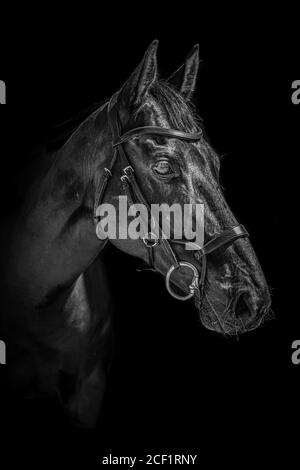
(155, 242)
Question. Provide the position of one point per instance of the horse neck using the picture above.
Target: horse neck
(54, 239)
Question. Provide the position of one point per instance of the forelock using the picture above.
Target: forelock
(180, 114)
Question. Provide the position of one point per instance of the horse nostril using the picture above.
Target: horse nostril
(243, 309)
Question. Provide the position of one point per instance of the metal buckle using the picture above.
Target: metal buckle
(107, 173)
(128, 170)
(150, 240)
(124, 179)
(192, 287)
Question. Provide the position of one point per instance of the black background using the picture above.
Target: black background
(174, 386)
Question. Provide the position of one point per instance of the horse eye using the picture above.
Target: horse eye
(163, 168)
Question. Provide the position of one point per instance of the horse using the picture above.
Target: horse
(56, 307)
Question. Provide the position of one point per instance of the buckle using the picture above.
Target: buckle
(128, 170)
(107, 173)
(150, 240)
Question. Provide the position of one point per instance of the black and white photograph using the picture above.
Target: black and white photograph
(149, 237)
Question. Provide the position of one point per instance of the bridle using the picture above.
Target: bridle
(157, 241)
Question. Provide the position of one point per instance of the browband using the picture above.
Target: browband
(161, 131)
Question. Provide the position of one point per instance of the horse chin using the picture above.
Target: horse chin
(209, 317)
(217, 318)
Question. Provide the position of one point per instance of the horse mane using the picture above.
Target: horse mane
(180, 113)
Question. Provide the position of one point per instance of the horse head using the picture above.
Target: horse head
(180, 166)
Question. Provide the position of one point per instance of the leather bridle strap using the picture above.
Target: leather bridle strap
(131, 187)
(221, 239)
(160, 131)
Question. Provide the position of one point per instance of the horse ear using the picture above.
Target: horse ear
(142, 78)
(184, 79)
